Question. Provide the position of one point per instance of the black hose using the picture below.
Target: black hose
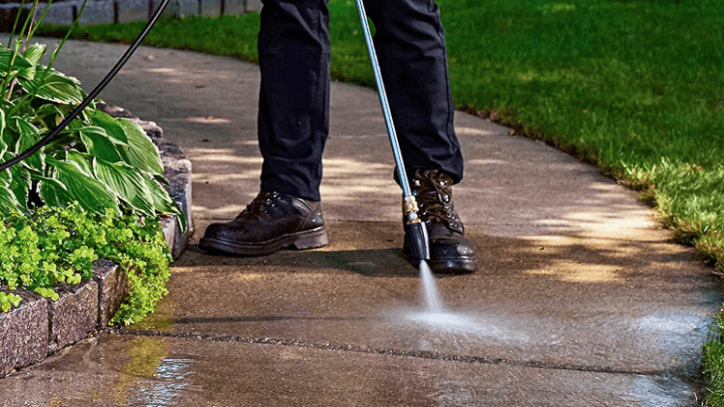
(92, 95)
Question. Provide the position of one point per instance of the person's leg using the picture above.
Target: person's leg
(293, 128)
(294, 96)
(410, 44)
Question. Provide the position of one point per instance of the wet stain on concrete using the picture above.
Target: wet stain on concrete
(146, 354)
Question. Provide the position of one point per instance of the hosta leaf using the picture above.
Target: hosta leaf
(29, 135)
(20, 181)
(23, 67)
(127, 183)
(90, 193)
(109, 124)
(34, 52)
(5, 178)
(4, 142)
(20, 185)
(8, 201)
(98, 144)
(55, 87)
(163, 202)
(84, 161)
(53, 192)
(141, 152)
(23, 126)
(50, 109)
(6, 175)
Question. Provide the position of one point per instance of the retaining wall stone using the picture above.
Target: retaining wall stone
(112, 289)
(123, 11)
(73, 315)
(132, 10)
(209, 8)
(60, 13)
(253, 5)
(95, 12)
(186, 8)
(233, 7)
(24, 333)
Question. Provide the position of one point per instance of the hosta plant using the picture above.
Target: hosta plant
(99, 161)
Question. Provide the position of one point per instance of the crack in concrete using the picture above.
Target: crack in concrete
(394, 352)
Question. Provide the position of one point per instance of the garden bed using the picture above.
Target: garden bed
(39, 327)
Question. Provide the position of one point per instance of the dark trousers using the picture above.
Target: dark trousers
(294, 56)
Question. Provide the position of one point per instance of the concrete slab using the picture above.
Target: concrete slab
(575, 274)
(593, 304)
(154, 371)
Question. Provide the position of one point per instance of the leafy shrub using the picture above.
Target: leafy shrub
(59, 244)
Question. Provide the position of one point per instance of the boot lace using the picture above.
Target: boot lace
(258, 208)
(433, 194)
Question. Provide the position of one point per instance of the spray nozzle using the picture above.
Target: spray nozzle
(415, 230)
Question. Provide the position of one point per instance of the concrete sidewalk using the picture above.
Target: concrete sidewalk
(580, 298)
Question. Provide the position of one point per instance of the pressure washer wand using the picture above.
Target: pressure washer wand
(415, 229)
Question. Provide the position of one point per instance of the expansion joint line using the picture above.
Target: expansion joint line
(429, 355)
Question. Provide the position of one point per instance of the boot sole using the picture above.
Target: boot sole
(449, 265)
(308, 239)
(460, 265)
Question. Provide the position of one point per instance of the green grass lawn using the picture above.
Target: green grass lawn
(634, 87)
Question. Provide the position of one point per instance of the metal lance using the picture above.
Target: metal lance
(415, 229)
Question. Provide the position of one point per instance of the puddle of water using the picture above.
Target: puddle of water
(146, 355)
(679, 334)
(663, 392)
(170, 380)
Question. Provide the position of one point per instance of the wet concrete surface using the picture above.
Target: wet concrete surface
(580, 298)
(531, 302)
(125, 370)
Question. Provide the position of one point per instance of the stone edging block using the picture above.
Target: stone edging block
(73, 315)
(112, 289)
(24, 333)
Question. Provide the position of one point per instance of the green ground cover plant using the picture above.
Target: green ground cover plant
(94, 190)
(634, 87)
(59, 244)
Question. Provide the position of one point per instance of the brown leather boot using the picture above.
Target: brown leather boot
(271, 222)
(450, 251)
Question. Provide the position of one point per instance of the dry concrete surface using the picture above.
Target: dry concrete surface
(580, 298)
